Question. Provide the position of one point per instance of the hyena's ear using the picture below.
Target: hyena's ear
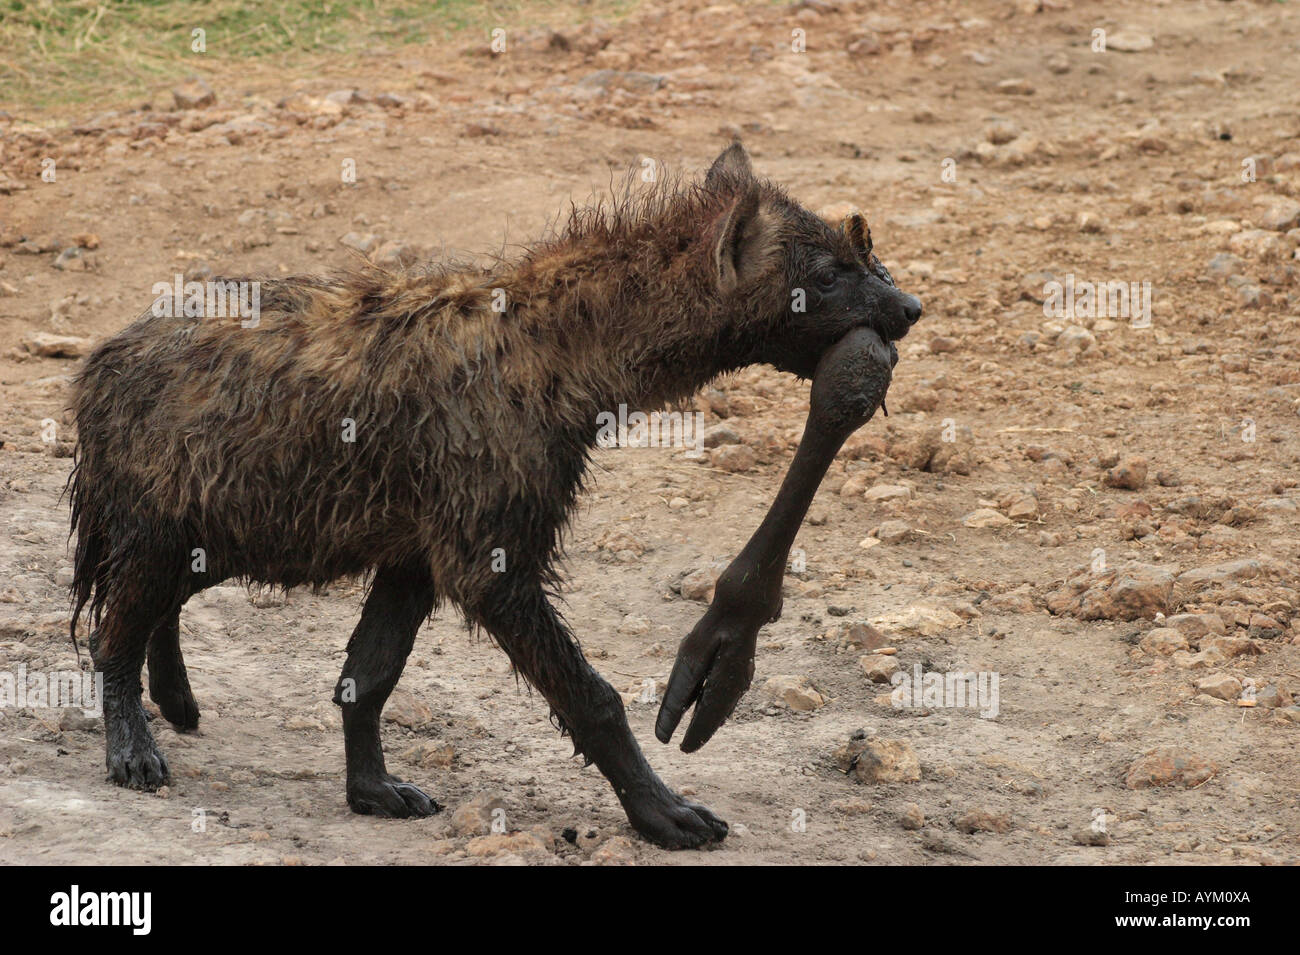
(748, 242)
(733, 163)
(859, 233)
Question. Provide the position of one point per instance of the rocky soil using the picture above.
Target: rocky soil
(1098, 508)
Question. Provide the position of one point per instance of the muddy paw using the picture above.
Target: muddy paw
(176, 705)
(391, 798)
(140, 768)
(671, 822)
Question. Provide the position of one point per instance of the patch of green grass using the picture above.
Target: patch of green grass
(74, 51)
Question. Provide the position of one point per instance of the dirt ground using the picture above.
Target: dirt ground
(993, 150)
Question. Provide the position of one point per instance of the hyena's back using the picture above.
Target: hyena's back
(357, 423)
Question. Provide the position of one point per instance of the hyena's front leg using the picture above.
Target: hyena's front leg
(400, 599)
(715, 663)
(169, 682)
(541, 647)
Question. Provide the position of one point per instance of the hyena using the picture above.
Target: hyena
(471, 395)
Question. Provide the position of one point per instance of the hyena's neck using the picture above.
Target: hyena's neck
(637, 323)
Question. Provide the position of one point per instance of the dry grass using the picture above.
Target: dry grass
(61, 52)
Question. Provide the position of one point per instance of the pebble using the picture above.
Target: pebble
(981, 820)
(474, 818)
(1221, 686)
(796, 692)
(404, 709)
(1168, 766)
(985, 517)
(194, 93)
(878, 668)
(888, 492)
(1129, 474)
(734, 458)
(876, 760)
(1129, 41)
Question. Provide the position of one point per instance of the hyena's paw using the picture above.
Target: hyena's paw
(391, 798)
(138, 766)
(672, 822)
(175, 701)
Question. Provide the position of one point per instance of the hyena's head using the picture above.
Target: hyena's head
(796, 282)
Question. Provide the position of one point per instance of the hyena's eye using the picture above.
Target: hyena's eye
(827, 279)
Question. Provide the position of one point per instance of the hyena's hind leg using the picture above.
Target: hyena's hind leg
(400, 599)
(132, 611)
(169, 683)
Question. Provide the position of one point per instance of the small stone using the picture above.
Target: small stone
(911, 818)
(1196, 625)
(861, 636)
(1130, 474)
(719, 435)
(893, 532)
(1221, 686)
(194, 93)
(46, 345)
(879, 761)
(304, 723)
(474, 818)
(1001, 132)
(495, 844)
(734, 458)
(617, 850)
(796, 692)
(919, 620)
(1088, 836)
(1128, 41)
(1272, 697)
(851, 807)
(73, 719)
(634, 625)
(73, 259)
(631, 81)
(396, 255)
(404, 709)
(1279, 216)
(1076, 338)
(981, 820)
(699, 584)
(888, 492)
(985, 517)
(428, 754)
(1232, 646)
(1016, 86)
(363, 242)
(1163, 641)
(878, 668)
(1020, 507)
(1168, 766)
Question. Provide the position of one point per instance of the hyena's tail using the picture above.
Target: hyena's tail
(89, 556)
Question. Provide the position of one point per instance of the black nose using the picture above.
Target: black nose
(911, 308)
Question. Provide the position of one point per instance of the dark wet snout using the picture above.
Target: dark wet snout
(911, 306)
(896, 312)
